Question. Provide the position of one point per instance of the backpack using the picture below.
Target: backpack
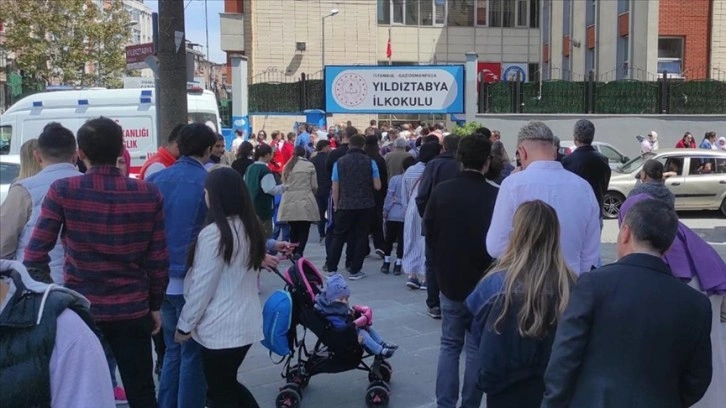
(276, 322)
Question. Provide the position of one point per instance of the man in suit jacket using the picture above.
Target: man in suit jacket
(632, 334)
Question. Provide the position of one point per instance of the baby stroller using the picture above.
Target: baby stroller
(335, 351)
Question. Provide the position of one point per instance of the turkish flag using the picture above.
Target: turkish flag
(389, 50)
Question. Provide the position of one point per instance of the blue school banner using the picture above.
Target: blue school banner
(394, 89)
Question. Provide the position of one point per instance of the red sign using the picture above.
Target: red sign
(489, 72)
(136, 54)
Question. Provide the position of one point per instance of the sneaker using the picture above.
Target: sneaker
(325, 267)
(390, 346)
(120, 396)
(397, 269)
(380, 253)
(386, 268)
(413, 283)
(423, 286)
(387, 352)
(435, 312)
(357, 275)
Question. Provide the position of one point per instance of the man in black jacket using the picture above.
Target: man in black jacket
(587, 162)
(633, 335)
(322, 149)
(333, 157)
(443, 167)
(457, 218)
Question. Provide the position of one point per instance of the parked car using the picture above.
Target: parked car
(698, 180)
(615, 157)
(9, 170)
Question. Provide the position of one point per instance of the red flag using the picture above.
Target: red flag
(389, 50)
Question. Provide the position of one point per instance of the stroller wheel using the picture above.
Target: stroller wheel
(294, 376)
(377, 396)
(385, 370)
(288, 397)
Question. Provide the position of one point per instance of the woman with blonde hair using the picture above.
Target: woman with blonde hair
(516, 307)
(29, 166)
(298, 207)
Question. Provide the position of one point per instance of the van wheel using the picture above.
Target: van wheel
(611, 203)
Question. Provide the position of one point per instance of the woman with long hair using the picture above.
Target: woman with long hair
(262, 186)
(222, 310)
(516, 307)
(501, 161)
(29, 167)
(243, 157)
(686, 142)
(298, 207)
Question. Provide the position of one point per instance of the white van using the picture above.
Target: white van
(133, 109)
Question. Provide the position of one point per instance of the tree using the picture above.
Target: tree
(467, 129)
(54, 40)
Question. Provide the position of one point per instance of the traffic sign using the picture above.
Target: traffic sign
(136, 55)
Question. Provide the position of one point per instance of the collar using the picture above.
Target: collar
(190, 160)
(545, 165)
(585, 148)
(472, 174)
(355, 150)
(57, 166)
(104, 170)
(645, 261)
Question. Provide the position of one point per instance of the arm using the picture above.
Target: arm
(498, 235)
(45, 234)
(424, 189)
(569, 346)
(157, 260)
(78, 351)
(335, 190)
(269, 186)
(314, 180)
(204, 279)
(390, 198)
(376, 175)
(696, 377)
(14, 214)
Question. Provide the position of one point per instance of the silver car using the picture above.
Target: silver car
(615, 157)
(698, 179)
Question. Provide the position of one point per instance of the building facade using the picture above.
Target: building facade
(634, 39)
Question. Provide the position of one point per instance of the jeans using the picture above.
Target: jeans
(394, 233)
(432, 285)
(130, 342)
(281, 231)
(371, 340)
(455, 336)
(220, 368)
(299, 232)
(182, 379)
(322, 208)
(352, 225)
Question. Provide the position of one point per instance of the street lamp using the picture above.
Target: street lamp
(332, 13)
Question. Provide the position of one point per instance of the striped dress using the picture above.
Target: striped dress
(413, 242)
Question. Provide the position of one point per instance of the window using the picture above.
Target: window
(589, 61)
(670, 56)
(566, 68)
(566, 13)
(6, 132)
(481, 12)
(623, 6)
(534, 13)
(522, 15)
(533, 72)
(384, 11)
(546, 30)
(590, 12)
(673, 166)
(136, 36)
(612, 155)
(460, 13)
(398, 13)
(509, 13)
(621, 70)
(439, 12)
(706, 165)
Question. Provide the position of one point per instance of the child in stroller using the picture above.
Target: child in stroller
(333, 304)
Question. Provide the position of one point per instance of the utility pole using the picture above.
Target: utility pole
(172, 108)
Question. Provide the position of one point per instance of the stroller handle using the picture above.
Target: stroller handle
(293, 258)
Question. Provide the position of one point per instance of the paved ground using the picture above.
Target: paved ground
(400, 316)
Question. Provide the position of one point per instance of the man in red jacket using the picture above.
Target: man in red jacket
(164, 157)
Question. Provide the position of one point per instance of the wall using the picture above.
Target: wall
(718, 39)
(618, 130)
(689, 19)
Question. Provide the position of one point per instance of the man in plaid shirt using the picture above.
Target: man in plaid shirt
(112, 229)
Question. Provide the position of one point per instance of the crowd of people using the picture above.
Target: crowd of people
(508, 255)
(710, 141)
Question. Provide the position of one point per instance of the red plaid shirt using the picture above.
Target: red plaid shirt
(112, 229)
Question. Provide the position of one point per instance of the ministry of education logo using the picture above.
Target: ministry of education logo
(350, 89)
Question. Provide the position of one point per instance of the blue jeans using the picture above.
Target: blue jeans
(455, 337)
(371, 340)
(182, 383)
(281, 231)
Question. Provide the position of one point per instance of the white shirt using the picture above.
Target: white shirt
(236, 143)
(572, 198)
(646, 146)
(222, 308)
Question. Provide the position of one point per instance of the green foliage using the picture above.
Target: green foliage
(467, 129)
(53, 40)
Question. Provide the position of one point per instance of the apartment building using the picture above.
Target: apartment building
(634, 39)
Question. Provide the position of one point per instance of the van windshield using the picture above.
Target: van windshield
(204, 117)
(5, 133)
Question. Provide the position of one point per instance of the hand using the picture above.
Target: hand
(181, 338)
(270, 261)
(156, 322)
(283, 246)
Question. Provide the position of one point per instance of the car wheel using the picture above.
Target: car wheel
(723, 207)
(611, 203)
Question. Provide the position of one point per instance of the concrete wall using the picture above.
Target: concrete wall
(618, 130)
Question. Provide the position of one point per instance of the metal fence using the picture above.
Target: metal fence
(278, 93)
(663, 95)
